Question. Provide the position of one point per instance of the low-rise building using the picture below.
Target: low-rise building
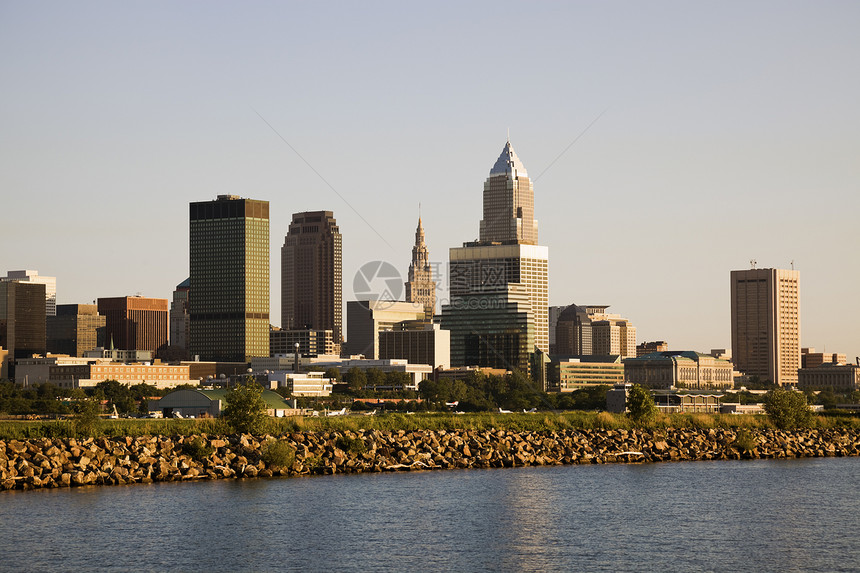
(204, 403)
(575, 373)
(667, 401)
(679, 369)
(649, 347)
(304, 384)
(809, 358)
(88, 375)
(37, 369)
(837, 377)
(117, 355)
(416, 372)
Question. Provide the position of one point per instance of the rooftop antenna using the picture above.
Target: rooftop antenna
(752, 263)
(792, 264)
(509, 135)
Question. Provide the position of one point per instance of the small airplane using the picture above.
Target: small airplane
(452, 404)
(532, 411)
(504, 411)
(341, 412)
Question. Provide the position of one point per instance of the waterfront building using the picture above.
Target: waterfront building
(575, 373)
(90, 374)
(311, 274)
(135, 323)
(180, 320)
(501, 276)
(30, 276)
(310, 342)
(209, 403)
(22, 322)
(229, 279)
(421, 287)
(590, 330)
(418, 342)
(679, 369)
(830, 376)
(74, 329)
(365, 319)
(649, 347)
(667, 401)
(765, 307)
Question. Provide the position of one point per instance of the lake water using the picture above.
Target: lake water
(797, 515)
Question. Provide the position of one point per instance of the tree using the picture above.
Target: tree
(640, 404)
(245, 411)
(787, 409)
(356, 378)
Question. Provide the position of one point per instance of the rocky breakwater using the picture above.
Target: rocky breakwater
(39, 463)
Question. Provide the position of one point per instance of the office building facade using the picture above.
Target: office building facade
(765, 310)
(229, 279)
(135, 323)
(590, 331)
(31, 276)
(22, 322)
(75, 329)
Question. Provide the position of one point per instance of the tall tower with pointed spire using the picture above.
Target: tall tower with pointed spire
(509, 203)
(498, 312)
(421, 287)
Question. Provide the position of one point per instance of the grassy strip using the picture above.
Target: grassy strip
(395, 422)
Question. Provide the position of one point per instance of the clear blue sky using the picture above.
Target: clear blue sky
(729, 131)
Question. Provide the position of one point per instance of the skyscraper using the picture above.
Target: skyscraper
(135, 323)
(30, 276)
(180, 324)
(766, 323)
(76, 329)
(483, 272)
(311, 275)
(421, 287)
(229, 279)
(22, 321)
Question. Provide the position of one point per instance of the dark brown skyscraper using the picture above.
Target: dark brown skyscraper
(135, 322)
(228, 300)
(311, 281)
(22, 320)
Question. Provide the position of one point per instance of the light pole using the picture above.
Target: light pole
(296, 367)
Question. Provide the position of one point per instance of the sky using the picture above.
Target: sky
(668, 142)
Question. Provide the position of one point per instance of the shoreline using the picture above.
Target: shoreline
(68, 462)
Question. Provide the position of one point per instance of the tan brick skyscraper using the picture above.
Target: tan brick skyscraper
(766, 323)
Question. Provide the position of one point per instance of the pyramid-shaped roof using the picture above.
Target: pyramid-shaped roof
(509, 164)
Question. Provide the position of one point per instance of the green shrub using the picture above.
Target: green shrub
(197, 449)
(278, 454)
(745, 440)
(349, 445)
(787, 409)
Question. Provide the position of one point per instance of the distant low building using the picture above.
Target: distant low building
(649, 347)
(416, 372)
(837, 377)
(679, 369)
(303, 384)
(575, 373)
(667, 401)
(205, 403)
(88, 375)
(117, 355)
(37, 369)
(809, 358)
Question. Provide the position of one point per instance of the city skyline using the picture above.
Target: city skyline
(666, 156)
